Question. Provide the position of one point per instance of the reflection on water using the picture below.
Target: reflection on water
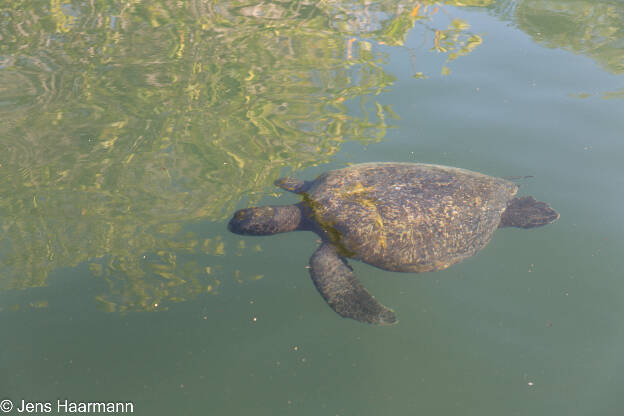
(592, 28)
(122, 122)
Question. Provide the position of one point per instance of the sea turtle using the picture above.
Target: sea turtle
(403, 217)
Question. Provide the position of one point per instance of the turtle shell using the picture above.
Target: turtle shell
(408, 217)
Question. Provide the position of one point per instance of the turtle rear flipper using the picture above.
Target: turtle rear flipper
(526, 212)
(338, 285)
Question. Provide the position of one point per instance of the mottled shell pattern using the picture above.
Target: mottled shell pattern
(408, 217)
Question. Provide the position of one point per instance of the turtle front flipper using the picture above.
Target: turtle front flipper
(338, 285)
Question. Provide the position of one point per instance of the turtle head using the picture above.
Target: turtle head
(266, 220)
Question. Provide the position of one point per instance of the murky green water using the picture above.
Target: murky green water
(131, 131)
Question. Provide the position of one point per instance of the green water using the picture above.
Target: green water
(131, 131)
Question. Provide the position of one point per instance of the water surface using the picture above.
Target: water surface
(130, 132)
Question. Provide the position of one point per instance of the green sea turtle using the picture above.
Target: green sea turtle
(403, 217)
